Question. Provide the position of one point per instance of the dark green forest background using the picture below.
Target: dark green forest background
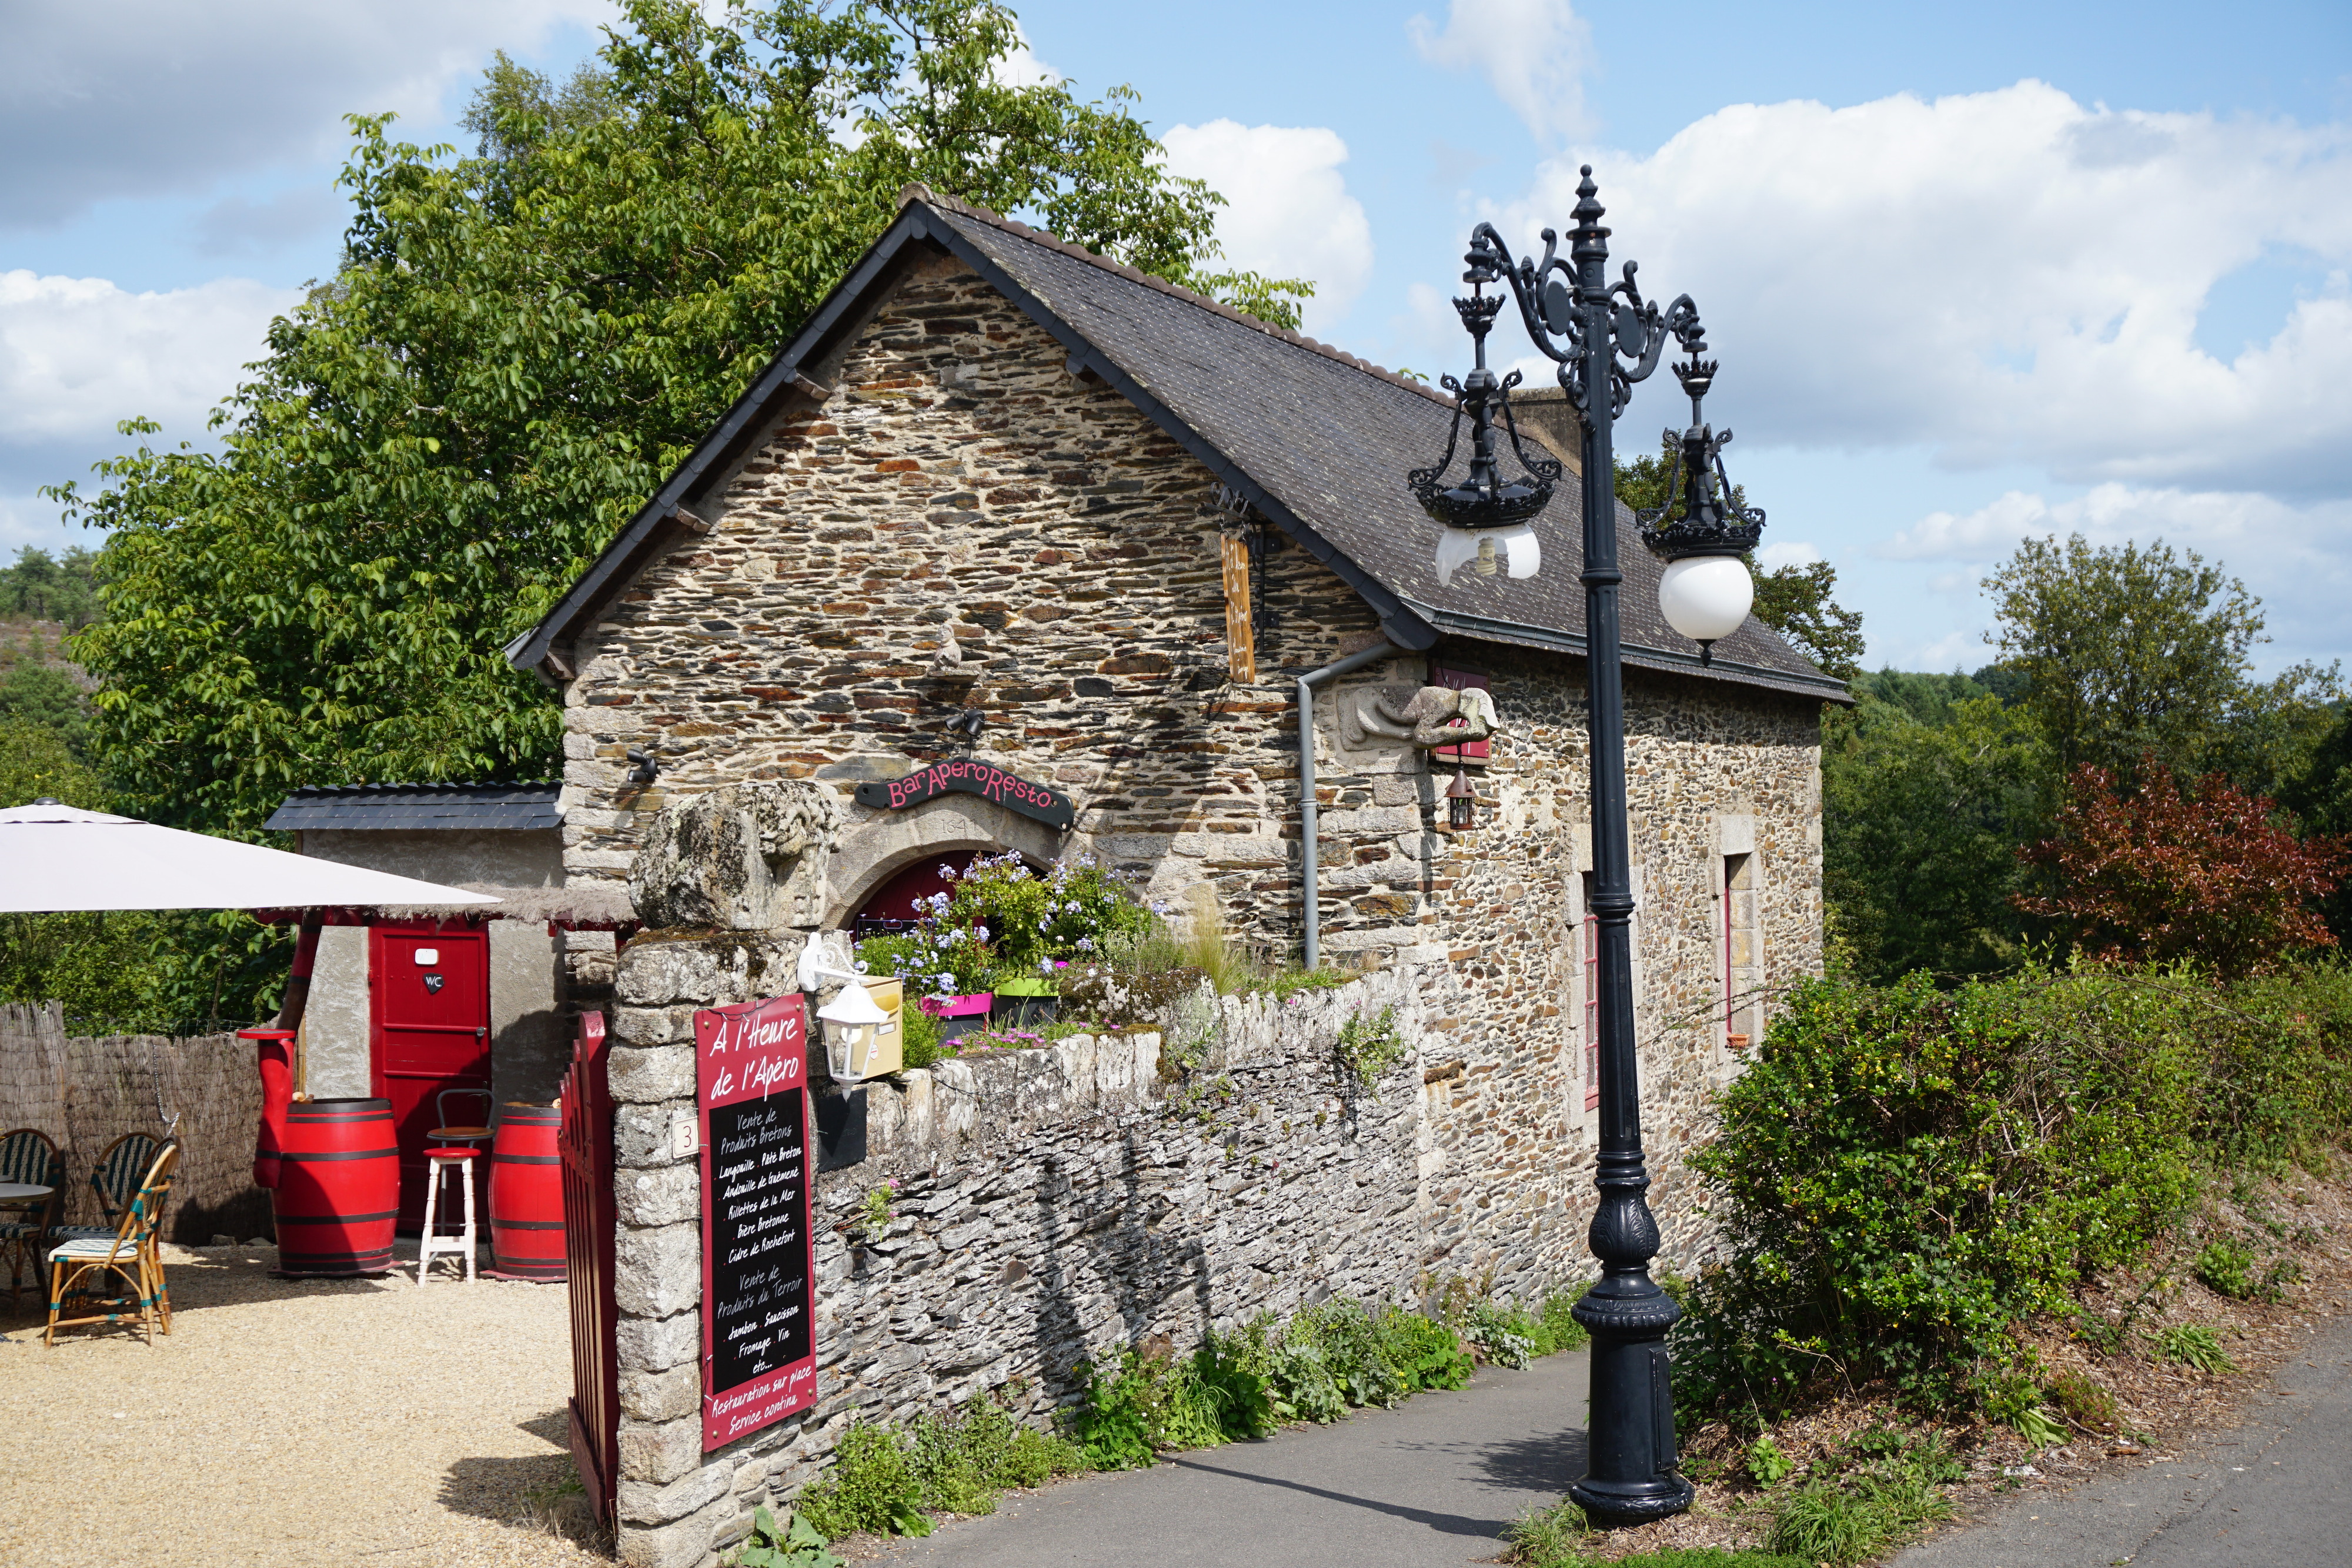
(525, 336)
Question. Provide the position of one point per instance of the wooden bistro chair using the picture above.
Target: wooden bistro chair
(29, 1156)
(115, 1179)
(130, 1254)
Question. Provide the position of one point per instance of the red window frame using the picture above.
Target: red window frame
(1591, 1011)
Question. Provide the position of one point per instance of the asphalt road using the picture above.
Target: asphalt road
(2274, 1492)
(1429, 1484)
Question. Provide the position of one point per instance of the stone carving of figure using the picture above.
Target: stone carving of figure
(1431, 712)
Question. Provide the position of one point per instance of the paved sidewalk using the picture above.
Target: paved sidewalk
(1429, 1484)
(2276, 1492)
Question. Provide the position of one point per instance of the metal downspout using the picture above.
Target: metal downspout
(1310, 913)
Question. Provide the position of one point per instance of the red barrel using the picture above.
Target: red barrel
(527, 1195)
(338, 1188)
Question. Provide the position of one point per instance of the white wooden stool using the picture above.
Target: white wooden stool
(437, 1164)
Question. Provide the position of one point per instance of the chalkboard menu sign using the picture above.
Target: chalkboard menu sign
(759, 1339)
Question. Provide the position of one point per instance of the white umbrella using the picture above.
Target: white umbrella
(57, 857)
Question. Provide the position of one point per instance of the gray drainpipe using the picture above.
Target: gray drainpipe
(1313, 926)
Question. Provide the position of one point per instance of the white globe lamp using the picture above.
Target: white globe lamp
(1706, 597)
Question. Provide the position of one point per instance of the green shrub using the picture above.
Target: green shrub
(1151, 1400)
(870, 1486)
(954, 1461)
(1876, 1506)
(1370, 1045)
(2192, 1344)
(800, 1546)
(1556, 1537)
(2227, 1268)
(1420, 1352)
(1767, 1463)
(2084, 1402)
(1905, 1171)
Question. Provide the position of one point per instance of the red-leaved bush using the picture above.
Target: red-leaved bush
(2205, 873)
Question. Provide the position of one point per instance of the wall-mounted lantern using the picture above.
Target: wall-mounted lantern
(1461, 800)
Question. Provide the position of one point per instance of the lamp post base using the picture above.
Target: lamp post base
(1633, 1473)
(1619, 1503)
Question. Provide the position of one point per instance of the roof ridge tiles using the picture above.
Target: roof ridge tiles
(1015, 226)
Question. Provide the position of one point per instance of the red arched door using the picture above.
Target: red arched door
(902, 897)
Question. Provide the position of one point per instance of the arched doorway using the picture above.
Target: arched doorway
(901, 899)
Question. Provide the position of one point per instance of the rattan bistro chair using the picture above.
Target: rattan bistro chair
(130, 1254)
(28, 1156)
(115, 1179)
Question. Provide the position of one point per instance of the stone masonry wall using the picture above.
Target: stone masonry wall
(1052, 1205)
(960, 491)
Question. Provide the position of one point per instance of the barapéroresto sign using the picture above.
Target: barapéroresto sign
(759, 1301)
(966, 776)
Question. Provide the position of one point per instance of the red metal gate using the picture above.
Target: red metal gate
(586, 1138)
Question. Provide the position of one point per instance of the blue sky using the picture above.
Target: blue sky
(1972, 272)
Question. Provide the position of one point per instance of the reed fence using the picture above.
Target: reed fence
(84, 1092)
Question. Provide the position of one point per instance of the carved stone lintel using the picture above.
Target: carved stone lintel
(744, 857)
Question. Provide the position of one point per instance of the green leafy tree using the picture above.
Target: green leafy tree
(1794, 601)
(44, 694)
(2322, 799)
(2127, 653)
(43, 587)
(519, 345)
(1921, 820)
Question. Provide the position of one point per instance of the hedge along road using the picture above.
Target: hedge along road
(2274, 1493)
(1429, 1484)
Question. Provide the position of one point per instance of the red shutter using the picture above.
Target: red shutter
(1460, 680)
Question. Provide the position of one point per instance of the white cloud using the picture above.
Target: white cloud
(78, 354)
(2003, 276)
(1772, 556)
(1288, 213)
(2297, 558)
(141, 98)
(1534, 53)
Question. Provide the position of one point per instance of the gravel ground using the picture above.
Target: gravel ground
(295, 1421)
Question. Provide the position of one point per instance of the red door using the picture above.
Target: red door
(430, 997)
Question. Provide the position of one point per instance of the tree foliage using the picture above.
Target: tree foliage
(61, 587)
(519, 345)
(2322, 798)
(2162, 874)
(2127, 653)
(1795, 602)
(1924, 803)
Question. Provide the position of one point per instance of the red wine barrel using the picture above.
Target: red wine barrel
(338, 1188)
(527, 1195)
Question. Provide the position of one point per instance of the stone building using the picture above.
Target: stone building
(1007, 504)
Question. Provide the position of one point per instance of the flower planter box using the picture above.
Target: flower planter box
(959, 1015)
(1024, 1004)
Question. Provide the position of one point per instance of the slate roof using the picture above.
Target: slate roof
(373, 806)
(1318, 440)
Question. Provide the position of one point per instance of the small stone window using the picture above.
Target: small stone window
(1742, 933)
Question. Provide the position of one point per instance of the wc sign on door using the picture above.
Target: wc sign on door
(759, 1342)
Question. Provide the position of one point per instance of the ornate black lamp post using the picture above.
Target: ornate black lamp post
(1604, 337)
